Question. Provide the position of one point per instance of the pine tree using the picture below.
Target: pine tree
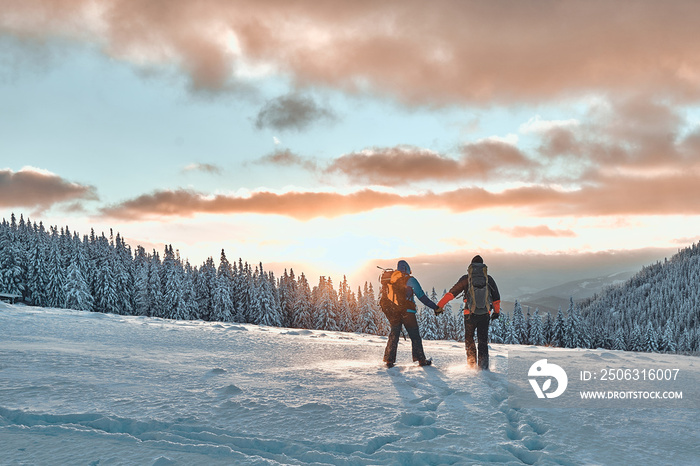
(454, 323)
(222, 302)
(141, 267)
(427, 321)
(619, 340)
(559, 330)
(124, 274)
(345, 320)
(302, 317)
(536, 330)
(205, 289)
(519, 336)
(511, 331)
(497, 329)
(325, 305)
(651, 339)
(171, 286)
(155, 287)
(189, 307)
(77, 291)
(242, 293)
(11, 271)
(264, 308)
(636, 342)
(107, 299)
(366, 321)
(37, 271)
(548, 329)
(574, 335)
(55, 294)
(287, 292)
(668, 343)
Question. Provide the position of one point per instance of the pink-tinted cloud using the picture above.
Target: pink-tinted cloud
(394, 166)
(428, 52)
(635, 132)
(672, 194)
(301, 205)
(39, 189)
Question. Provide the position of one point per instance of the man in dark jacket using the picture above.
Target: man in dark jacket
(402, 311)
(480, 295)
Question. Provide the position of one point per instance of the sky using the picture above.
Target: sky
(333, 137)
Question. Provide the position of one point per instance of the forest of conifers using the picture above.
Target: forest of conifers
(657, 310)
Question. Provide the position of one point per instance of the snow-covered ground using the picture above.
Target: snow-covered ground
(88, 388)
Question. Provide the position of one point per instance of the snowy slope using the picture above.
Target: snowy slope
(89, 388)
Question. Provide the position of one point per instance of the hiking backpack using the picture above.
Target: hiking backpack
(393, 297)
(478, 297)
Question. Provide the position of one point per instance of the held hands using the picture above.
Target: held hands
(495, 315)
(439, 311)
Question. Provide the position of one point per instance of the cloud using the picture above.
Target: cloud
(300, 205)
(203, 167)
(33, 187)
(540, 230)
(628, 137)
(537, 125)
(436, 52)
(394, 166)
(667, 195)
(286, 158)
(291, 112)
(400, 165)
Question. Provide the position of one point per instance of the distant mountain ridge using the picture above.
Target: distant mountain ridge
(551, 299)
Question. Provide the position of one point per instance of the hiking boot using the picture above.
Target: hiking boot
(425, 362)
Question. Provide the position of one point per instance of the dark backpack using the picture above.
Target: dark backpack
(393, 296)
(478, 295)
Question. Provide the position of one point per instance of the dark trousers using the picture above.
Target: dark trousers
(408, 320)
(480, 323)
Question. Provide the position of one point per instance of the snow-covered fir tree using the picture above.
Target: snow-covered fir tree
(537, 329)
(559, 329)
(222, 303)
(367, 318)
(428, 321)
(345, 317)
(11, 271)
(55, 283)
(77, 290)
(302, 305)
(548, 329)
(453, 322)
(264, 308)
(519, 334)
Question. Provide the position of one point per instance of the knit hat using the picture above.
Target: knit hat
(403, 266)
